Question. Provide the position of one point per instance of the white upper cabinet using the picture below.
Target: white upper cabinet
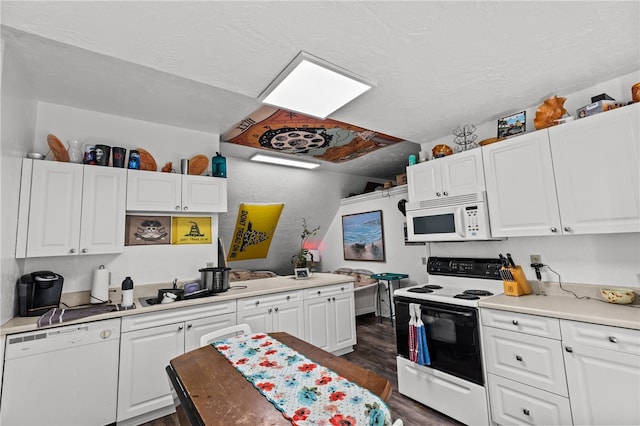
(596, 165)
(450, 176)
(580, 177)
(521, 191)
(170, 192)
(69, 209)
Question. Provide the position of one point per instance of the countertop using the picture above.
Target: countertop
(237, 290)
(566, 306)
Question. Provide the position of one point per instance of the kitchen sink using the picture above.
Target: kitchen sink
(150, 301)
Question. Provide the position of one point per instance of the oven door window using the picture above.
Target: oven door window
(452, 337)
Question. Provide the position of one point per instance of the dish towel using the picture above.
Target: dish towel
(56, 315)
(305, 392)
(418, 349)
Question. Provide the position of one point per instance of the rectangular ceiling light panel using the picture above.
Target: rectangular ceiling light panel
(284, 161)
(313, 87)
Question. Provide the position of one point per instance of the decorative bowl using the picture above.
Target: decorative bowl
(35, 156)
(621, 296)
(441, 151)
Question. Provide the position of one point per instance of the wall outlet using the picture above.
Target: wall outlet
(536, 258)
(424, 260)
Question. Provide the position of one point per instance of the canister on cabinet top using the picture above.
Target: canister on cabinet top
(134, 159)
(219, 166)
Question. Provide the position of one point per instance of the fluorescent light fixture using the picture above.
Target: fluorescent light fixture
(284, 161)
(314, 87)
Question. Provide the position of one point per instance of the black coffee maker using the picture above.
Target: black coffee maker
(38, 292)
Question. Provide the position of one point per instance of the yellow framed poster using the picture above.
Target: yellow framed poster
(191, 230)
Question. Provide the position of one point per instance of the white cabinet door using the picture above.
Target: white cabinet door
(317, 324)
(144, 354)
(521, 191)
(103, 210)
(344, 327)
(54, 209)
(424, 181)
(457, 174)
(195, 329)
(604, 385)
(288, 318)
(153, 191)
(204, 194)
(596, 165)
(463, 173)
(258, 319)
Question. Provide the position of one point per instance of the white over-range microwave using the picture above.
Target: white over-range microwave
(458, 218)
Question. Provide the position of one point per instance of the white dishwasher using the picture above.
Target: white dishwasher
(62, 376)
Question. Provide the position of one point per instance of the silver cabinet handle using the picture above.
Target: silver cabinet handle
(318, 292)
(445, 193)
(257, 302)
(177, 207)
(185, 208)
(568, 349)
(189, 325)
(525, 411)
(72, 251)
(613, 339)
(437, 194)
(333, 298)
(288, 297)
(85, 250)
(341, 288)
(518, 358)
(567, 228)
(270, 310)
(514, 322)
(180, 327)
(328, 299)
(554, 229)
(276, 309)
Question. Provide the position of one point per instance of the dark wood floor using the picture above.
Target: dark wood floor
(375, 351)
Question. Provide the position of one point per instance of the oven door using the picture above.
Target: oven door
(452, 337)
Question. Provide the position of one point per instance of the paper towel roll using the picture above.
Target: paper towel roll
(100, 285)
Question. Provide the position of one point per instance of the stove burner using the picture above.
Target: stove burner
(466, 296)
(423, 289)
(478, 292)
(432, 286)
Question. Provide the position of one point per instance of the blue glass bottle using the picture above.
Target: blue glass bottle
(219, 166)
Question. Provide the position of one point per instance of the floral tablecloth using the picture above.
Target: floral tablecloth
(305, 392)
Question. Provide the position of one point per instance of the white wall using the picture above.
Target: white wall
(311, 194)
(144, 264)
(399, 257)
(18, 125)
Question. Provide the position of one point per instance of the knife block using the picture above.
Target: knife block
(519, 286)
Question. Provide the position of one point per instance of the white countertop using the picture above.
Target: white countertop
(568, 307)
(237, 290)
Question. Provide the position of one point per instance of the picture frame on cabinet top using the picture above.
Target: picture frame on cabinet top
(512, 125)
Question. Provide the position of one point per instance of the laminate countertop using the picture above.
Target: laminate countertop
(237, 290)
(565, 306)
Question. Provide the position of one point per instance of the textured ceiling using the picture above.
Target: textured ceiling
(435, 64)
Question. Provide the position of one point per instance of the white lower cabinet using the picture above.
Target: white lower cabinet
(589, 377)
(329, 318)
(526, 375)
(149, 342)
(273, 312)
(603, 373)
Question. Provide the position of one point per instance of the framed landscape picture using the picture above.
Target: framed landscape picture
(512, 125)
(363, 236)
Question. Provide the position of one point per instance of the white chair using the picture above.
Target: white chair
(233, 330)
(398, 422)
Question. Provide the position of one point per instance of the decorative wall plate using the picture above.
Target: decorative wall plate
(147, 162)
(58, 149)
(198, 164)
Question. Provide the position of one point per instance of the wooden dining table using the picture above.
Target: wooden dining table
(213, 392)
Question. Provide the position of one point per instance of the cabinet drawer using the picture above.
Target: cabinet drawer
(601, 336)
(330, 290)
(513, 403)
(534, 360)
(169, 316)
(269, 299)
(523, 323)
